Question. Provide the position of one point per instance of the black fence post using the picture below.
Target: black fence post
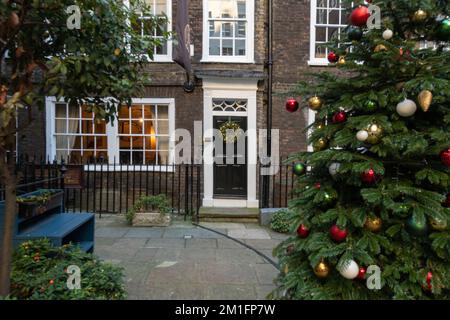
(63, 171)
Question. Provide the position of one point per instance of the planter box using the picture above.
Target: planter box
(151, 219)
(28, 210)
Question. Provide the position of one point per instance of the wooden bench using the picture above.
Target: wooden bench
(49, 221)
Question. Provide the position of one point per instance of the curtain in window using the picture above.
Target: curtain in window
(73, 125)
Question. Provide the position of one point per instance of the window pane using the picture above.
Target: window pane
(136, 112)
(149, 128)
(162, 49)
(85, 113)
(227, 47)
(321, 34)
(214, 29)
(321, 16)
(60, 126)
(150, 157)
(73, 126)
(163, 112)
(160, 7)
(149, 112)
(150, 143)
(61, 154)
(137, 126)
(124, 143)
(87, 126)
(334, 3)
(74, 112)
(333, 17)
(332, 33)
(163, 158)
(214, 47)
(138, 157)
(124, 127)
(101, 143)
(61, 142)
(241, 4)
(227, 9)
(125, 157)
(227, 30)
(124, 112)
(321, 3)
(138, 143)
(60, 110)
(75, 157)
(100, 127)
(240, 48)
(240, 29)
(89, 142)
(163, 143)
(320, 52)
(163, 127)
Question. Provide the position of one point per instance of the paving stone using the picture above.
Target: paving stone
(193, 232)
(248, 234)
(254, 226)
(265, 273)
(278, 236)
(230, 292)
(100, 242)
(263, 243)
(201, 243)
(111, 232)
(143, 232)
(116, 253)
(178, 273)
(135, 272)
(225, 243)
(175, 291)
(227, 273)
(198, 255)
(168, 254)
(133, 243)
(165, 243)
(145, 254)
(262, 291)
(223, 225)
(238, 255)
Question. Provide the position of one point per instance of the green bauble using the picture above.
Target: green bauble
(415, 228)
(371, 106)
(299, 169)
(443, 31)
(355, 33)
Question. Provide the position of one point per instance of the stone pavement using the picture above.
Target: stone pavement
(187, 262)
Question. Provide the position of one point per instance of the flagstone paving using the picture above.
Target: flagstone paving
(184, 261)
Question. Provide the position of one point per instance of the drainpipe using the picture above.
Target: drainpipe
(269, 65)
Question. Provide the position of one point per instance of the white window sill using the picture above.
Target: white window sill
(318, 63)
(130, 168)
(161, 59)
(227, 60)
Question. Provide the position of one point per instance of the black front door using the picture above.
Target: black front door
(230, 179)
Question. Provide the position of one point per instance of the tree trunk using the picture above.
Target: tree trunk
(7, 163)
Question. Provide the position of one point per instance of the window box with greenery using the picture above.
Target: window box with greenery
(39, 202)
(150, 211)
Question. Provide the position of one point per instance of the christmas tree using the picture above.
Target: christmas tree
(376, 192)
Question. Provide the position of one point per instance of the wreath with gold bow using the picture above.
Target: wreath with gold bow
(230, 126)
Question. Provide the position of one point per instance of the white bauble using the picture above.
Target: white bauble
(350, 270)
(334, 168)
(388, 34)
(362, 135)
(406, 108)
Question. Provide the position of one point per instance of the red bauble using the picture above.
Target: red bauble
(447, 202)
(337, 234)
(302, 231)
(361, 273)
(317, 185)
(445, 157)
(333, 57)
(339, 117)
(429, 277)
(292, 105)
(369, 176)
(359, 16)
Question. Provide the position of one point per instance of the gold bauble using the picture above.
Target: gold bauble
(319, 125)
(425, 98)
(286, 269)
(439, 225)
(341, 61)
(315, 103)
(322, 270)
(380, 47)
(375, 133)
(373, 224)
(320, 145)
(419, 16)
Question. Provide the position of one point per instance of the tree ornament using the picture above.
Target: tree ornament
(369, 176)
(320, 145)
(406, 108)
(380, 47)
(333, 57)
(299, 169)
(333, 169)
(117, 52)
(429, 287)
(419, 16)
(341, 61)
(292, 105)
(362, 135)
(315, 103)
(416, 228)
(328, 198)
(13, 20)
(355, 33)
(445, 157)
(340, 117)
(371, 105)
(337, 234)
(317, 185)
(302, 231)
(388, 34)
(361, 274)
(349, 270)
(286, 269)
(373, 224)
(446, 203)
(443, 31)
(319, 125)
(438, 224)
(290, 249)
(322, 270)
(425, 98)
(375, 133)
(359, 16)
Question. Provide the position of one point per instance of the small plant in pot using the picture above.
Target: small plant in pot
(150, 211)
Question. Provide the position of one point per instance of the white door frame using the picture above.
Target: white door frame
(230, 88)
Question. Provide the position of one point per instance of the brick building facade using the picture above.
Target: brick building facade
(225, 70)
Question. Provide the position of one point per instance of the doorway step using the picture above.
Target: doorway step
(218, 214)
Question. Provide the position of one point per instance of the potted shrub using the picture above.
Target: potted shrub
(150, 211)
(38, 202)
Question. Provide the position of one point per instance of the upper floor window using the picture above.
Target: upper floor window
(328, 19)
(162, 52)
(228, 30)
